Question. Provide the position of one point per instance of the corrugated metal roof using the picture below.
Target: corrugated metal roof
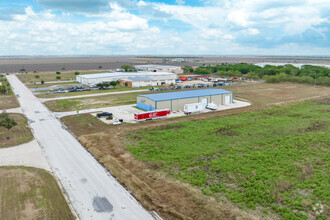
(124, 74)
(185, 94)
(140, 78)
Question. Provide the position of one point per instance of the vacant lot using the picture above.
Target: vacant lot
(57, 84)
(51, 76)
(18, 134)
(30, 193)
(275, 160)
(92, 102)
(8, 102)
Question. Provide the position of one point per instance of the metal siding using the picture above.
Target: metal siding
(178, 104)
(216, 99)
(144, 106)
(164, 104)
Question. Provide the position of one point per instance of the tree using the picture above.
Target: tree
(58, 73)
(113, 83)
(36, 76)
(187, 69)
(22, 70)
(76, 73)
(128, 68)
(42, 81)
(58, 77)
(7, 122)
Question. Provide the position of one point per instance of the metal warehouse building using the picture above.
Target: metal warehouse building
(161, 77)
(175, 101)
(159, 68)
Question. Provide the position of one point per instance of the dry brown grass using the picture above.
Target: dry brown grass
(30, 193)
(307, 171)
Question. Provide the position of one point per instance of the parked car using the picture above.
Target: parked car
(103, 114)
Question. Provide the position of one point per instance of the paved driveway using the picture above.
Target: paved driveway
(92, 191)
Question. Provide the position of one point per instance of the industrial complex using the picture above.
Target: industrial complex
(175, 101)
(131, 79)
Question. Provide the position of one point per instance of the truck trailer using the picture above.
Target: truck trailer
(194, 108)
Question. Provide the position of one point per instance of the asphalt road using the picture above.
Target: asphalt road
(92, 191)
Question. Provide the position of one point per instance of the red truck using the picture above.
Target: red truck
(151, 114)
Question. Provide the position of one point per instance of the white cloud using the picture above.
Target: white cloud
(180, 2)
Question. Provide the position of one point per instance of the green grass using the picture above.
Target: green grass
(276, 160)
(18, 134)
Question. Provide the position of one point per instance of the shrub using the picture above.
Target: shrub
(58, 77)
(272, 79)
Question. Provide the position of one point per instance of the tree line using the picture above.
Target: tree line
(288, 72)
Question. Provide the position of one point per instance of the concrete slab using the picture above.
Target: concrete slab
(13, 110)
(29, 155)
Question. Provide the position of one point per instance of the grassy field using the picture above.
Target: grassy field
(8, 102)
(51, 76)
(275, 161)
(19, 134)
(30, 193)
(117, 89)
(59, 84)
(92, 102)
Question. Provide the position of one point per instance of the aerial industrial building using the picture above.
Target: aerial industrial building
(144, 78)
(175, 101)
(159, 68)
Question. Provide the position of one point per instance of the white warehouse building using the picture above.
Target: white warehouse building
(159, 68)
(144, 78)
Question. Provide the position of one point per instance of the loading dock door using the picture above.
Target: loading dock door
(227, 100)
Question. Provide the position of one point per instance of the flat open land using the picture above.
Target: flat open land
(30, 193)
(51, 76)
(18, 134)
(57, 63)
(249, 163)
(92, 102)
(8, 102)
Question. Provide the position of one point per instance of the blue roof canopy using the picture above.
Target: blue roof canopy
(185, 94)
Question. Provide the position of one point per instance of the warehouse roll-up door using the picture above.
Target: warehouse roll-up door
(227, 100)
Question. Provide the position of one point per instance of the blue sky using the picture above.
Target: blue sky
(164, 27)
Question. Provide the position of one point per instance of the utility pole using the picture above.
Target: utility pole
(315, 80)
